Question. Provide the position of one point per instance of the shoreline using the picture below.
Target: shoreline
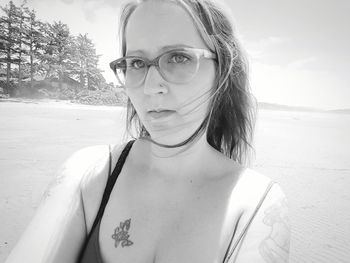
(64, 103)
(58, 103)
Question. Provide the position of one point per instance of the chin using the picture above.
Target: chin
(171, 136)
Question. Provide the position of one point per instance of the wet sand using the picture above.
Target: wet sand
(306, 153)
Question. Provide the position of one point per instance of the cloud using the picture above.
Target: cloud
(301, 63)
(258, 49)
(92, 8)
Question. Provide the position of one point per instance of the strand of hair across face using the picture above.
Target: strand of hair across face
(185, 103)
(196, 98)
(205, 122)
(198, 107)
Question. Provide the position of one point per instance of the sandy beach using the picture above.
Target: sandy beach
(307, 153)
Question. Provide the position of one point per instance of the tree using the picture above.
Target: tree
(86, 63)
(15, 39)
(35, 36)
(22, 39)
(57, 51)
(29, 46)
(9, 38)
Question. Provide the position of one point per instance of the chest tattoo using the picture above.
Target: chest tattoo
(121, 235)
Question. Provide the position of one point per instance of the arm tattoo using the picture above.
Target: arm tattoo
(121, 234)
(57, 180)
(275, 247)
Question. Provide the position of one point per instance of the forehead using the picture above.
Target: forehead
(156, 24)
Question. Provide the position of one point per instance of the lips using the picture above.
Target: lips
(159, 113)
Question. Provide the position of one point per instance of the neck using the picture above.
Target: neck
(195, 146)
(181, 161)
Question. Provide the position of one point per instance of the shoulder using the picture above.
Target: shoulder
(264, 225)
(58, 227)
(94, 162)
(249, 188)
(76, 167)
(88, 163)
(84, 174)
(96, 175)
(258, 192)
(83, 160)
(262, 187)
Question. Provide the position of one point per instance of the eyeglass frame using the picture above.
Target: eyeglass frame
(200, 53)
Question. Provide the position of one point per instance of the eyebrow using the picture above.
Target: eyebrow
(161, 50)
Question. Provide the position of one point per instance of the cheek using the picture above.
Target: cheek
(205, 78)
(135, 98)
(210, 72)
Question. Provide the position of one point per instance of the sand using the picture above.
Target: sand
(306, 153)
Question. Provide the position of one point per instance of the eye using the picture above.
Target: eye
(178, 58)
(137, 64)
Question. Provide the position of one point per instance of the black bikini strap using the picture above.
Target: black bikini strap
(111, 181)
(110, 160)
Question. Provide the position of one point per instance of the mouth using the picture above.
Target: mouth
(160, 113)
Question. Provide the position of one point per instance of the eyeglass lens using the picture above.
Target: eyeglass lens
(175, 67)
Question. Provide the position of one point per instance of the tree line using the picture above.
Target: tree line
(30, 48)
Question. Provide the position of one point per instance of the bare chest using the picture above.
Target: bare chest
(148, 219)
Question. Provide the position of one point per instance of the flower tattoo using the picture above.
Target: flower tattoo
(275, 247)
(121, 234)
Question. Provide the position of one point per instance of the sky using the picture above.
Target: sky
(298, 50)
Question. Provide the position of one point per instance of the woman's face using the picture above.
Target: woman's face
(153, 28)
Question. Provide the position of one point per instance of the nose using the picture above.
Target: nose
(153, 82)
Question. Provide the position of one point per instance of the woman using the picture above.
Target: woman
(182, 193)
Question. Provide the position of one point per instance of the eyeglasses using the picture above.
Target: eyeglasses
(175, 66)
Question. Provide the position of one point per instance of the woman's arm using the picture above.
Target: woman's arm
(268, 237)
(58, 228)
